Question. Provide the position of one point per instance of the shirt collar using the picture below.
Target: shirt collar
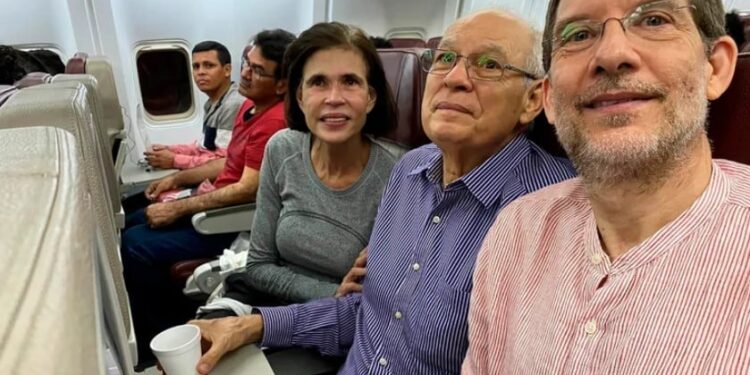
(486, 181)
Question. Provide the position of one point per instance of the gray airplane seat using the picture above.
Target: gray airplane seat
(110, 172)
(50, 318)
(6, 91)
(66, 105)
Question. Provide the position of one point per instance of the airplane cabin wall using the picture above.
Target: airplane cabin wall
(386, 18)
(39, 23)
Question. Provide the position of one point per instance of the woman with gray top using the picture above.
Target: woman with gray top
(321, 180)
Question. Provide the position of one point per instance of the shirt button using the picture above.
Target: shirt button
(398, 315)
(383, 362)
(590, 327)
(596, 259)
(415, 267)
(436, 219)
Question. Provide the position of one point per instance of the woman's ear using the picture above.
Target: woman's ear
(372, 98)
(298, 96)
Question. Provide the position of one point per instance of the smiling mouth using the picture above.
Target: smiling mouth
(335, 119)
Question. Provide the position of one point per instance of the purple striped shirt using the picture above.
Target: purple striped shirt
(411, 317)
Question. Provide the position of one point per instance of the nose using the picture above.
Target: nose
(334, 96)
(246, 73)
(614, 53)
(458, 77)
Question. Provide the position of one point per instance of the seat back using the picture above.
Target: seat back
(728, 116)
(65, 105)
(434, 42)
(33, 79)
(406, 79)
(407, 43)
(101, 68)
(6, 92)
(95, 104)
(49, 318)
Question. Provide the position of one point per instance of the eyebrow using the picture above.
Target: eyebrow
(492, 48)
(560, 24)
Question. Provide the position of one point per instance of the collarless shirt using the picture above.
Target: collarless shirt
(549, 300)
(411, 317)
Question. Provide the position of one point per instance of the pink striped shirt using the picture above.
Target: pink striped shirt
(548, 300)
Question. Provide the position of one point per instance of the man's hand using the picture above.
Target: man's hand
(352, 282)
(160, 158)
(221, 336)
(162, 214)
(157, 187)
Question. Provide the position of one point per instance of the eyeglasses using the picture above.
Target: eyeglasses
(258, 70)
(661, 20)
(483, 67)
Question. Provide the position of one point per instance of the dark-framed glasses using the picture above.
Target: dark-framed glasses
(257, 70)
(484, 67)
(660, 20)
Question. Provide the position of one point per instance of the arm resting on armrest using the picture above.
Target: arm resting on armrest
(225, 220)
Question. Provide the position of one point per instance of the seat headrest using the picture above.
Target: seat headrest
(406, 79)
(727, 118)
(407, 43)
(434, 42)
(77, 63)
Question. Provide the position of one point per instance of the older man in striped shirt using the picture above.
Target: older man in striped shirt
(439, 202)
(641, 266)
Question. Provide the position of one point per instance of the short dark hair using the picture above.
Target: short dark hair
(380, 42)
(210, 45)
(708, 16)
(50, 60)
(273, 45)
(735, 28)
(383, 116)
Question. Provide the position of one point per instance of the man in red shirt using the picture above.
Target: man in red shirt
(161, 234)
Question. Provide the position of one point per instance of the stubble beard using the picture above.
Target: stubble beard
(643, 159)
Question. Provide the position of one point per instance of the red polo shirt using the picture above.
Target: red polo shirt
(249, 138)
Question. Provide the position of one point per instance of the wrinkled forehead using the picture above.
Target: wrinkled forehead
(598, 9)
(488, 33)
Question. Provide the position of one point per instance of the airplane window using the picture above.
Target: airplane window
(165, 81)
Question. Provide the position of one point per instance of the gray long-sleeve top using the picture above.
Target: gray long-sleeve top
(306, 236)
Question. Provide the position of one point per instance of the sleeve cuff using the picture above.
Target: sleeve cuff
(278, 325)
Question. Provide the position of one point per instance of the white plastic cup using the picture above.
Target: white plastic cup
(178, 349)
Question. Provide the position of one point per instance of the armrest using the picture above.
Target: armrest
(225, 220)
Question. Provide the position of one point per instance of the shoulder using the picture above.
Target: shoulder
(738, 176)
(548, 204)
(234, 98)
(541, 169)
(275, 113)
(391, 150)
(287, 140)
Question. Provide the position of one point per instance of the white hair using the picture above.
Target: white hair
(533, 62)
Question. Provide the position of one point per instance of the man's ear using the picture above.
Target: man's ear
(549, 109)
(281, 86)
(372, 97)
(227, 70)
(720, 67)
(532, 102)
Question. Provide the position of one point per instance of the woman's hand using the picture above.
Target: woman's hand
(352, 282)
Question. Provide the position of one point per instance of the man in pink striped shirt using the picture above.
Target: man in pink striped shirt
(641, 265)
